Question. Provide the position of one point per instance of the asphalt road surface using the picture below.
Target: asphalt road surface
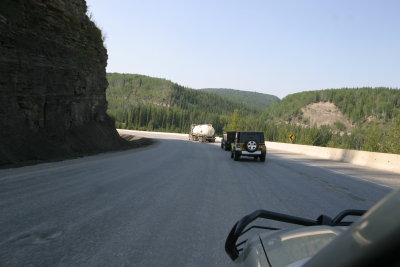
(169, 204)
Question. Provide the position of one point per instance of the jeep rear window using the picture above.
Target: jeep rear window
(257, 136)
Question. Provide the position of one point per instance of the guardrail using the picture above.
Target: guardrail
(382, 161)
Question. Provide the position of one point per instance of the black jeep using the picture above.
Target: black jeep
(249, 144)
(227, 140)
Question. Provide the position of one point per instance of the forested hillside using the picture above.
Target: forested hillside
(147, 103)
(251, 99)
(374, 113)
(370, 116)
(357, 104)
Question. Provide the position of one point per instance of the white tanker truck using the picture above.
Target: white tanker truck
(202, 133)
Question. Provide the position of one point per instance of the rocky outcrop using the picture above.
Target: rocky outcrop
(325, 113)
(52, 82)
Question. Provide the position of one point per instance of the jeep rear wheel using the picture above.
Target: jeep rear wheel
(262, 158)
(236, 156)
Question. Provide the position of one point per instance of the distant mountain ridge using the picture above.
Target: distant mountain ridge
(148, 103)
(253, 99)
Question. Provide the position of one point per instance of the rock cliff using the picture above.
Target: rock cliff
(52, 82)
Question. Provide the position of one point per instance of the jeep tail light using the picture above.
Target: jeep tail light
(237, 145)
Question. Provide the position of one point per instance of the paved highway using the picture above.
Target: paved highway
(169, 204)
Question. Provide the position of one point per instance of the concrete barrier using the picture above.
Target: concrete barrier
(155, 134)
(382, 161)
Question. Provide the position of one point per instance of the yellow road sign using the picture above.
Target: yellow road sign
(291, 137)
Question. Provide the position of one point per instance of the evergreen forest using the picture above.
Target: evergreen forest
(146, 103)
(374, 112)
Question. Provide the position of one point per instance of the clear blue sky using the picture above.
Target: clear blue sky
(276, 47)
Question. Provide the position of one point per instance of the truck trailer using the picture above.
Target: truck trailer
(202, 133)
